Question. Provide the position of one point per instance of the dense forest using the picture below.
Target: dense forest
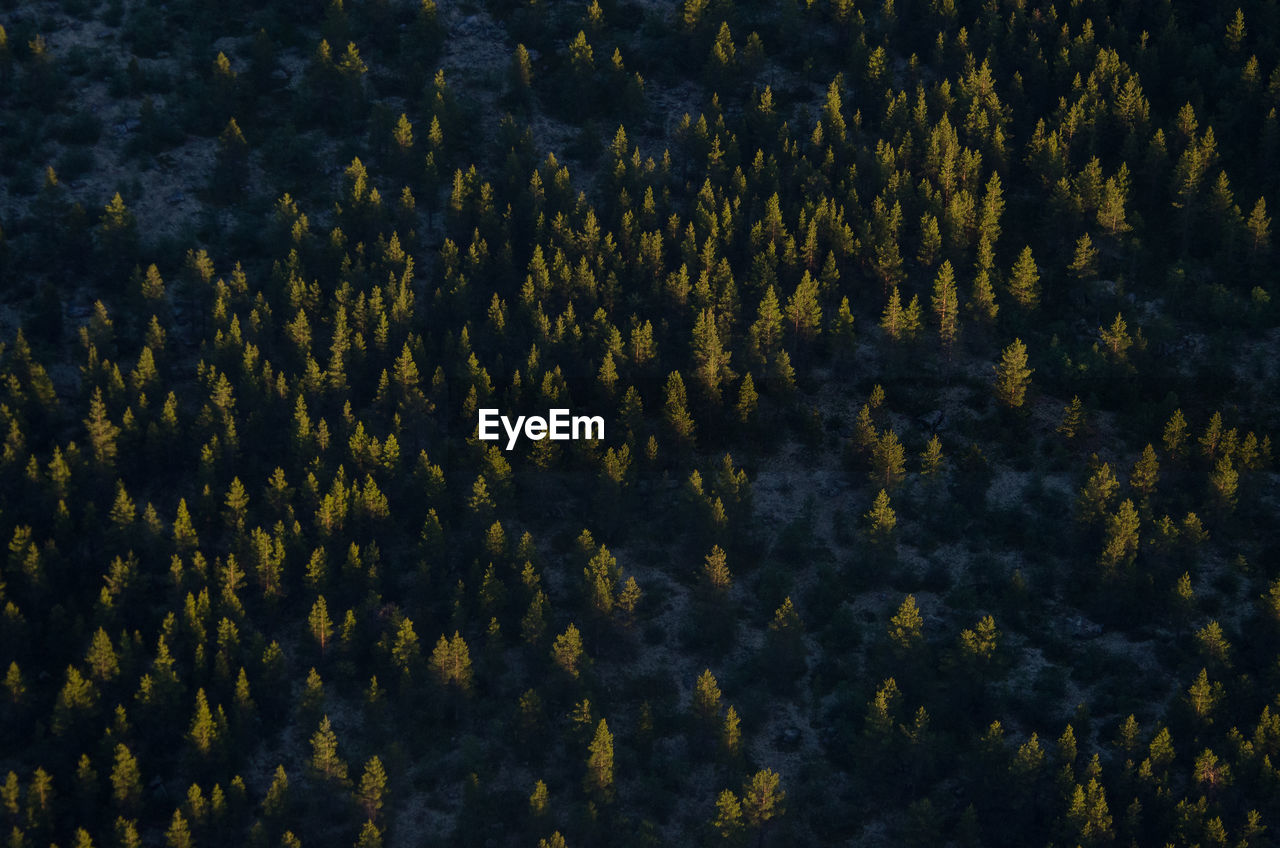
(938, 358)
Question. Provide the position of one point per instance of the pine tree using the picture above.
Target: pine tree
(1213, 643)
(276, 803)
(881, 519)
(152, 285)
(126, 833)
(1116, 338)
(102, 433)
(747, 399)
(762, 798)
(1122, 537)
(1024, 280)
(370, 836)
(404, 648)
(932, 462)
(888, 461)
(567, 651)
(716, 570)
(1097, 494)
(930, 240)
(731, 735)
(599, 779)
(710, 358)
(101, 657)
(766, 332)
(325, 760)
(126, 780)
(782, 377)
(77, 698)
(451, 662)
(1175, 435)
(1084, 264)
(898, 322)
(1012, 375)
(982, 303)
(1146, 473)
(864, 430)
(677, 408)
(117, 237)
(320, 625)
(373, 788)
(1236, 32)
(1211, 438)
(1259, 227)
(178, 834)
(728, 819)
(203, 731)
(946, 307)
(706, 697)
(1224, 481)
(1072, 418)
(906, 625)
(803, 310)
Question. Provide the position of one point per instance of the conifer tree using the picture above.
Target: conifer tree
(932, 462)
(762, 799)
(905, 627)
(117, 237)
(1116, 338)
(1146, 473)
(1012, 375)
(370, 836)
(677, 408)
(325, 760)
(766, 332)
(1084, 264)
(747, 398)
(320, 625)
(1024, 280)
(1097, 494)
(178, 835)
(731, 734)
(1224, 481)
(706, 697)
(101, 657)
(1122, 537)
(888, 461)
(946, 307)
(126, 780)
(881, 519)
(451, 662)
(1259, 228)
(711, 360)
(599, 779)
(102, 433)
(1175, 435)
(728, 819)
(804, 313)
(1072, 418)
(373, 787)
(716, 570)
(203, 731)
(539, 800)
(567, 651)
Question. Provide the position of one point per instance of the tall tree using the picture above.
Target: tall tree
(1024, 280)
(1012, 375)
(599, 779)
(946, 307)
(327, 764)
